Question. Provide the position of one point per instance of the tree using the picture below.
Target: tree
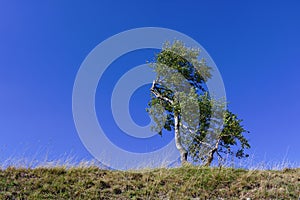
(181, 103)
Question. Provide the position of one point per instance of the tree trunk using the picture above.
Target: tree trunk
(210, 158)
(210, 155)
(179, 146)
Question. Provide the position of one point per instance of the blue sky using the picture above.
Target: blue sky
(255, 45)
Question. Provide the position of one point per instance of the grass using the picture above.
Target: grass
(189, 182)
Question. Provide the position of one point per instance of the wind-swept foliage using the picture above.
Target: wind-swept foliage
(181, 103)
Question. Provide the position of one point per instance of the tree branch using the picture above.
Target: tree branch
(158, 95)
(191, 132)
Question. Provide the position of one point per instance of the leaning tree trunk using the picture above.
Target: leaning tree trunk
(179, 146)
(210, 155)
(210, 158)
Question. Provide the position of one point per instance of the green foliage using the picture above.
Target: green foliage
(206, 126)
(183, 60)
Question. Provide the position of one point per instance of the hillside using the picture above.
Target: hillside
(179, 183)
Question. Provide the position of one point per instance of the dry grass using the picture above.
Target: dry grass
(189, 182)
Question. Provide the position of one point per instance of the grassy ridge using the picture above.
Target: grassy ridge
(179, 183)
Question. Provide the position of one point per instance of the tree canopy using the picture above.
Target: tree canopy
(181, 103)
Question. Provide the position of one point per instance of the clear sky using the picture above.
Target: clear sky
(255, 44)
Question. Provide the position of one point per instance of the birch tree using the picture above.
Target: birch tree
(180, 103)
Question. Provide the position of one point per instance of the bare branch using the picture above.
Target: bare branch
(158, 95)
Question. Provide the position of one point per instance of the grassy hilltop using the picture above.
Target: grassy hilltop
(178, 183)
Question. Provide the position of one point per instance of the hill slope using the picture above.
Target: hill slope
(179, 183)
